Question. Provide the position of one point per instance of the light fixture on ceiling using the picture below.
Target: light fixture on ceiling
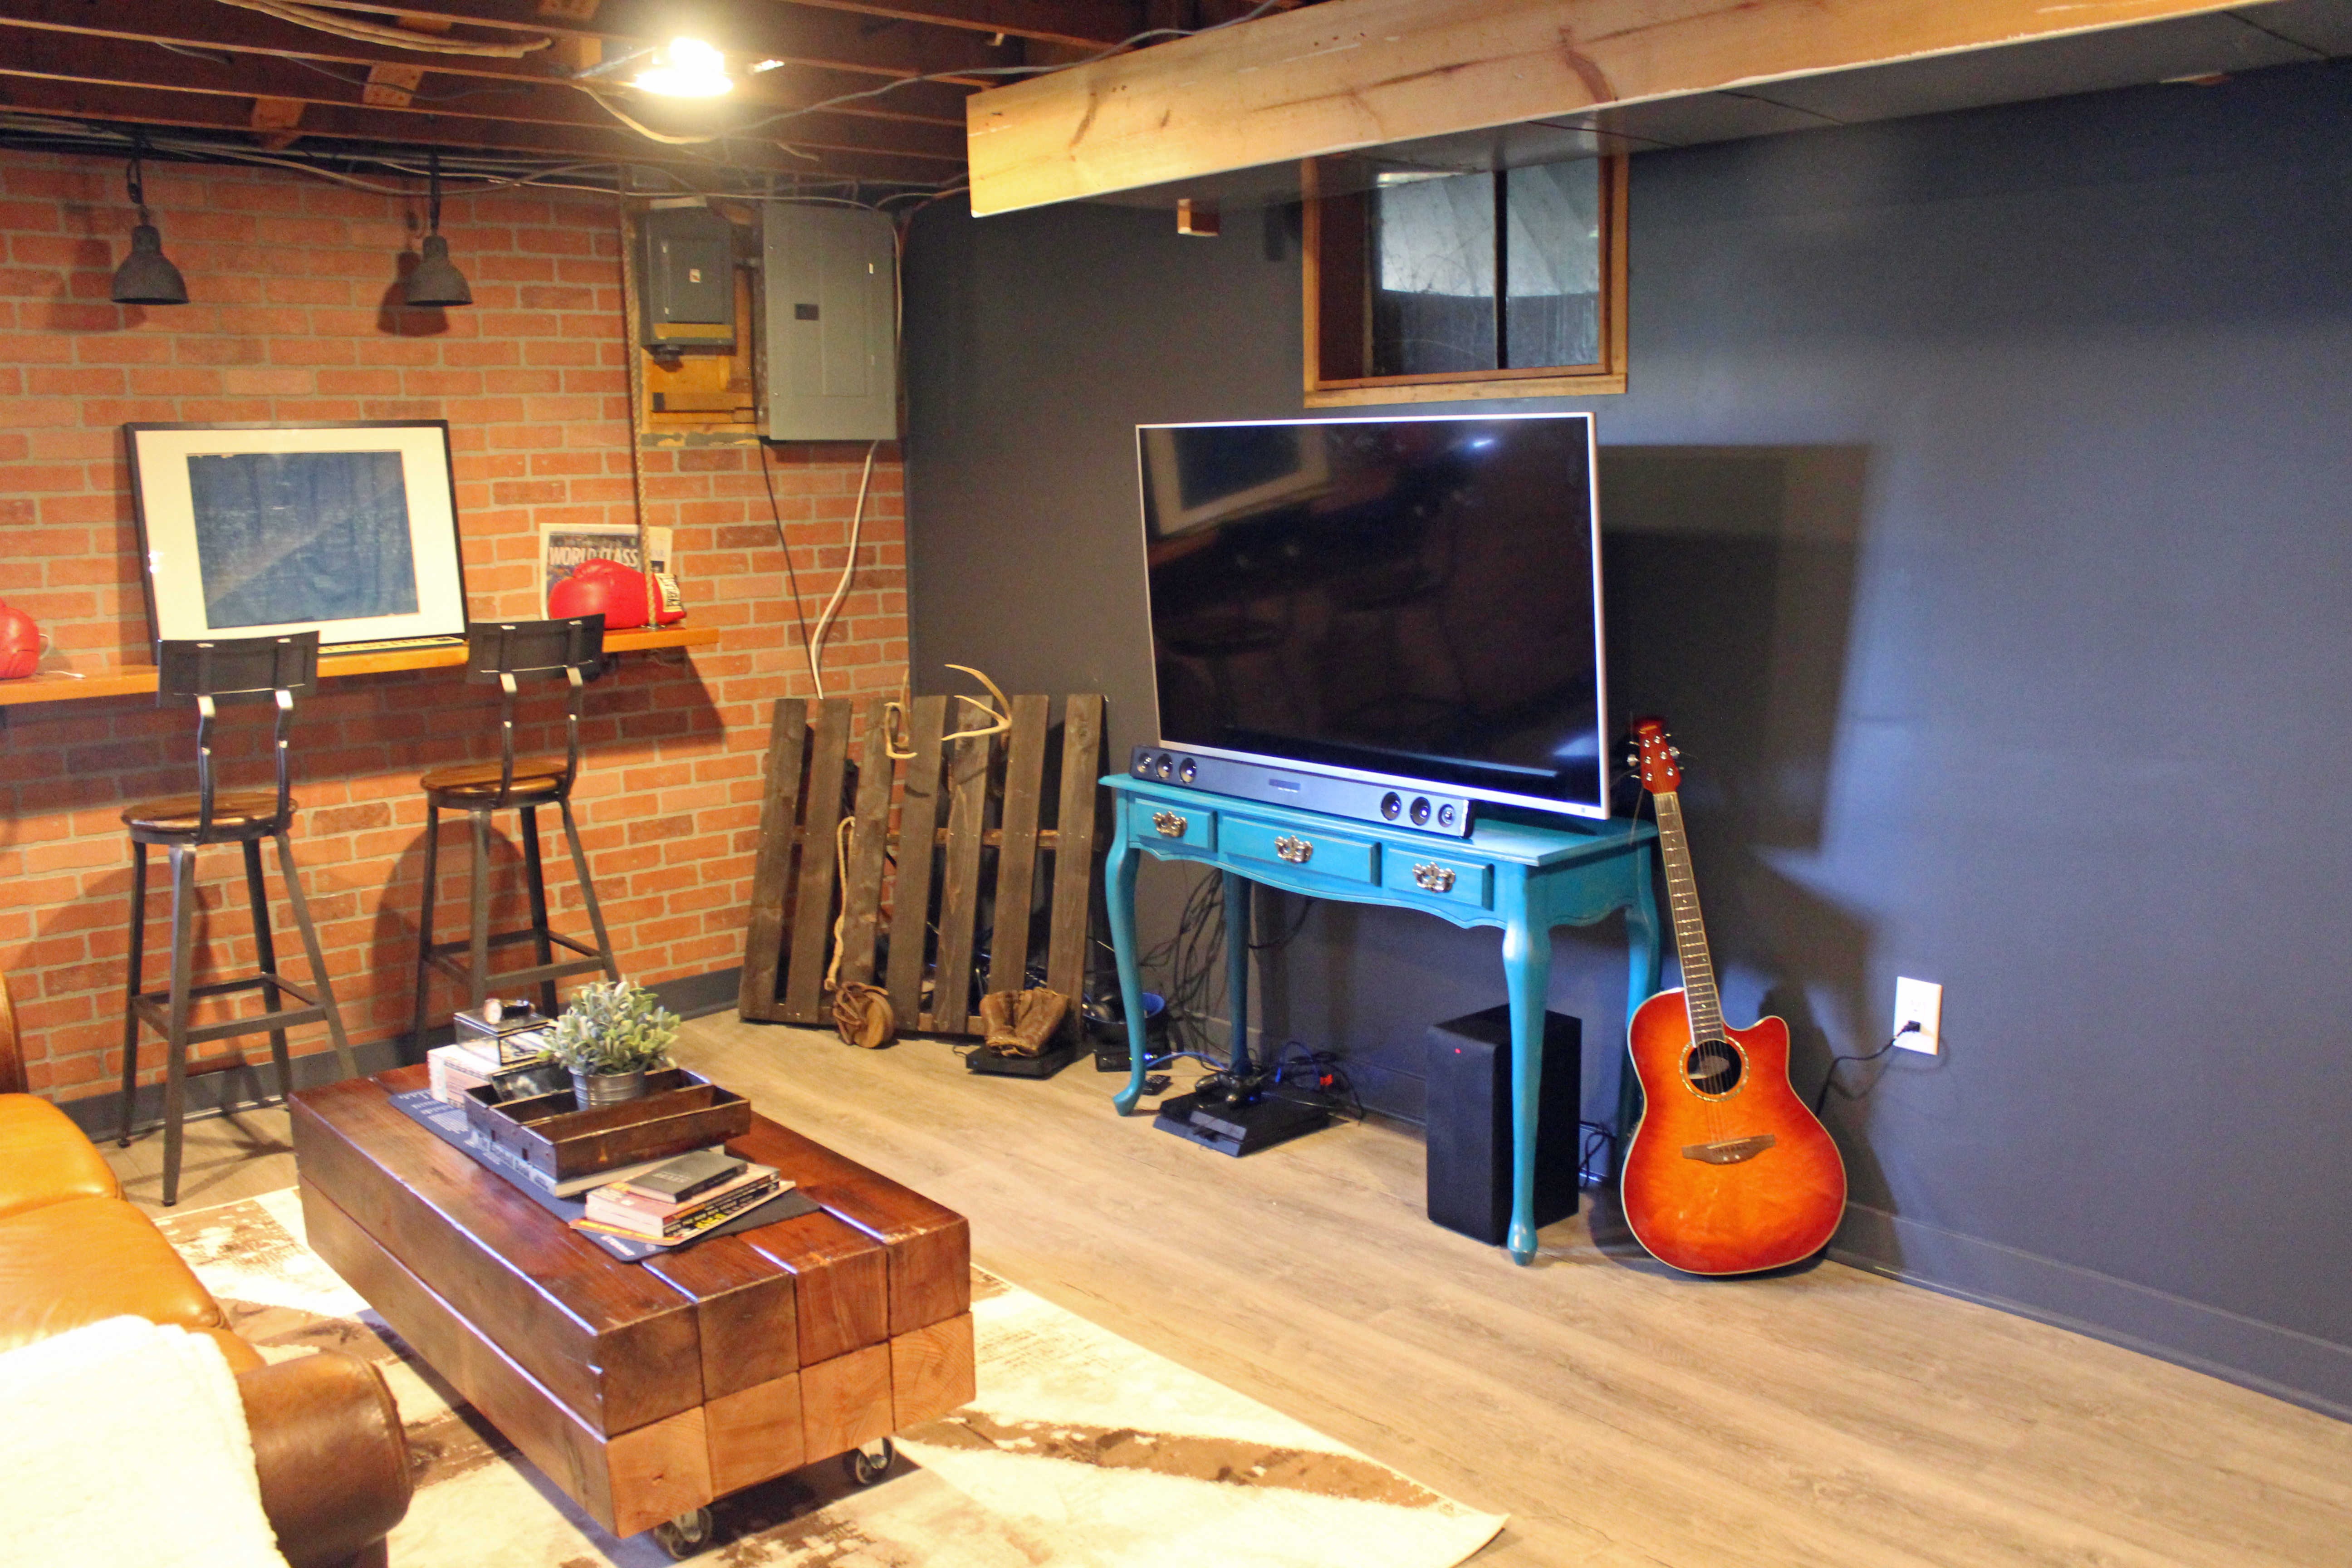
(685, 68)
(145, 278)
(434, 279)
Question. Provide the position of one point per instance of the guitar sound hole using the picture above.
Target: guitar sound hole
(1712, 1067)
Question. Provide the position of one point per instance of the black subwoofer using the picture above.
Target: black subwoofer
(1470, 1123)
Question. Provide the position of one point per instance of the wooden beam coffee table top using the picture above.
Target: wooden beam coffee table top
(645, 1390)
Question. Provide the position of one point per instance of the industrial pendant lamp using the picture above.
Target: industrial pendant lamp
(435, 280)
(145, 278)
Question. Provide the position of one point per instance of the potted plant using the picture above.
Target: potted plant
(608, 1036)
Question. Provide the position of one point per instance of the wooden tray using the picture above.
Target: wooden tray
(680, 1112)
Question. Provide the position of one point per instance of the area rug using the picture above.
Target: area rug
(1082, 1451)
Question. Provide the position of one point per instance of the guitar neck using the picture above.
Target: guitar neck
(1699, 996)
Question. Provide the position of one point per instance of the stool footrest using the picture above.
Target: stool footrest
(507, 938)
(158, 1016)
(464, 973)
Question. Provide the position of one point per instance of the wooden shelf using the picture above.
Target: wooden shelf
(56, 686)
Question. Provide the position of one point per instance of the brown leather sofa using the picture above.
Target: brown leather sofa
(326, 1434)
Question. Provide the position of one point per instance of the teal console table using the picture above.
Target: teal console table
(1525, 879)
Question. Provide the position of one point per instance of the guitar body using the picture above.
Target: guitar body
(1703, 1191)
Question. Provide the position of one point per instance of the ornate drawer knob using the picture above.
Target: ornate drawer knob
(1298, 851)
(1169, 823)
(1435, 879)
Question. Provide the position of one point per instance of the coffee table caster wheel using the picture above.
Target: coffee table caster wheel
(871, 1463)
(684, 1536)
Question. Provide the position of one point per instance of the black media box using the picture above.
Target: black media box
(1470, 1123)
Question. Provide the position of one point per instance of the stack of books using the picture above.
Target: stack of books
(681, 1199)
(486, 1047)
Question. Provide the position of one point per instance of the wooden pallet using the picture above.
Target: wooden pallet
(987, 855)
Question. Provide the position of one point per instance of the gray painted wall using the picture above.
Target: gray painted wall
(1982, 518)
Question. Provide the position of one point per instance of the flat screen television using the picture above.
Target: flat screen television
(1401, 602)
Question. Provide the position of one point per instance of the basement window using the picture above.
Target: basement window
(1502, 284)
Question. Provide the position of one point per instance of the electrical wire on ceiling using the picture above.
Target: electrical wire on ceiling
(605, 103)
(491, 91)
(343, 27)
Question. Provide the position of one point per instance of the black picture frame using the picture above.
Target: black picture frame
(348, 528)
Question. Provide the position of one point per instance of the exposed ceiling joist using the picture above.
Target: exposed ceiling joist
(110, 63)
(852, 37)
(1352, 75)
(387, 126)
(1082, 24)
(814, 40)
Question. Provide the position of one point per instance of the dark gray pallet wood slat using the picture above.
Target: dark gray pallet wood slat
(1016, 855)
(779, 818)
(812, 920)
(1076, 825)
(918, 823)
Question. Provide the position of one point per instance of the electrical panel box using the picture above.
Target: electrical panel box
(688, 287)
(831, 299)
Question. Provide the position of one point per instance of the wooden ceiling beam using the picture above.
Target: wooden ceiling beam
(1351, 75)
(107, 62)
(386, 128)
(829, 55)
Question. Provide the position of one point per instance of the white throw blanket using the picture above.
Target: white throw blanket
(125, 1443)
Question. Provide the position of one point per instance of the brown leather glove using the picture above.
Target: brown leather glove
(1022, 1023)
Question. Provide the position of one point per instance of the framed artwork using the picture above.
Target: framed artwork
(347, 530)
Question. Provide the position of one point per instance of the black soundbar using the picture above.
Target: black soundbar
(1398, 805)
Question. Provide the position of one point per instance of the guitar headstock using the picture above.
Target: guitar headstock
(1655, 756)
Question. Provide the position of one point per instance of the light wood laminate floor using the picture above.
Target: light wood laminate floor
(222, 1159)
(1622, 1415)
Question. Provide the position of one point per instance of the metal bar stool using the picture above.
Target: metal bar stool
(508, 653)
(226, 670)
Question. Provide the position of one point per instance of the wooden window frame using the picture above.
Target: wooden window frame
(1335, 248)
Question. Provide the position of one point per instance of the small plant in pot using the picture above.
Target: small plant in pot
(608, 1036)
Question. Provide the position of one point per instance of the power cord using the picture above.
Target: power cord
(1836, 1062)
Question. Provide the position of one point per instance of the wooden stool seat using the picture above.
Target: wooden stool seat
(463, 782)
(239, 811)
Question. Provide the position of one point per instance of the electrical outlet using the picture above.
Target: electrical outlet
(1920, 1002)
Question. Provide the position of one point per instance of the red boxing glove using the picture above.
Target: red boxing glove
(20, 644)
(619, 591)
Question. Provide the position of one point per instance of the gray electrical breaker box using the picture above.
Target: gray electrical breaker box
(830, 278)
(688, 292)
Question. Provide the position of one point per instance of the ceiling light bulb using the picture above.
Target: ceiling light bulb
(688, 68)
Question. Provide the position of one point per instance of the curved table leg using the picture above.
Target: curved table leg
(1119, 880)
(1527, 972)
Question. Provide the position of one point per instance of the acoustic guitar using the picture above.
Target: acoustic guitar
(1728, 1171)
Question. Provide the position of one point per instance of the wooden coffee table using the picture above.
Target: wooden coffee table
(645, 1391)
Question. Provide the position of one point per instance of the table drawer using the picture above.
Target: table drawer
(1351, 859)
(1467, 882)
(1149, 820)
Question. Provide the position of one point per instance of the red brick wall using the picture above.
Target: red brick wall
(292, 317)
